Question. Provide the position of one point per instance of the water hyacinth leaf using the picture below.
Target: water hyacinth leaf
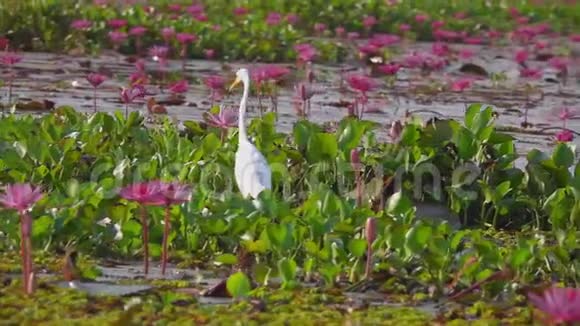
(42, 227)
(287, 268)
(417, 237)
(563, 156)
(350, 133)
(520, 257)
(211, 143)
(238, 285)
(357, 247)
(472, 111)
(410, 135)
(466, 145)
(322, 146)
(227, 259)
(398, 204)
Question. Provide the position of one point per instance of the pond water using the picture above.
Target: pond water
(61, 79)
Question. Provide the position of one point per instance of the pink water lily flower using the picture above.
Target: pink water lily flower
(241, 11)
(461, 84)
(269, 72)
(137, 31)
(369, 21)
(559, 63)
(566, 113)
(10, 58)
(466, 54)
(225, 119)
(352, 35)
(159, 53)
(209, 53)
(292, 19)
(559, 305)
(319, 28)
(81, 24)
(306, 52)
(179, 87)
(421, 18)
(565, 136)
(117, 23)
(404, 28)
(4, 43)
(175, 193)
(390, 69)
(575, 38)
(129, 95)
(437, 24)
(96, 79)
(215, 82)
(167, 33)
(185, 38)
(145, 193)
(273, 19)
(20, 196)
(532, 73)
(521, 56)
(117, 37)
(361, 83)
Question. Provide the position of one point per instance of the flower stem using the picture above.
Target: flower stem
(26, 226)
(358, 188)
(165, 239)
(10, 81)
(369, 260)
(145, 229)
(94, 99)
(126, 111)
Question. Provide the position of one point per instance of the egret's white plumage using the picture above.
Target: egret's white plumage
(253, 174)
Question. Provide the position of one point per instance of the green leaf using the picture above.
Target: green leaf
(238, 285)
(350, 134)
(563, 155)
(410, 135)
(466, 145)
(287, 269)
(42, 227)
(472, 111)
(357, 247)
(322, 146)
(398, 204)
(417, 237)
(227, 259)
(520, 256)
(211, 143)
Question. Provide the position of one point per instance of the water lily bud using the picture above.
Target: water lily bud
(371, 230)
(355, 158)
(395, 130)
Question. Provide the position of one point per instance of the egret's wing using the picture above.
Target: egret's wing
(252, 171)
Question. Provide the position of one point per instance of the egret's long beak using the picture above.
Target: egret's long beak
(234, 84)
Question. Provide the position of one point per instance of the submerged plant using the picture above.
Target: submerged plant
(21, 197)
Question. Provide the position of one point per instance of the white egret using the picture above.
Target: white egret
(253, 174)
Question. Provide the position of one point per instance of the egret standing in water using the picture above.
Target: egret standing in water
(253, 174)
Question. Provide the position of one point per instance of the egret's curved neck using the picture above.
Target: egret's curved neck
(242, 114)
